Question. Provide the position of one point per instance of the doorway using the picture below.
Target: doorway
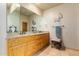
(24, 26)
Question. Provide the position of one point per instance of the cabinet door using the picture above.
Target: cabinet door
(10, 51)
(30, 49)
(17, 50)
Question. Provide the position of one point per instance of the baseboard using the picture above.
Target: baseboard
(72, 49)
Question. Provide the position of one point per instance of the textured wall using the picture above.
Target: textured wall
(3, 48)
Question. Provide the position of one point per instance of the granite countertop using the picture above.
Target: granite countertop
(15, 35)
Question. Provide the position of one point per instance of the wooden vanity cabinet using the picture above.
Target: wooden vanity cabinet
(17, 50)
(27, 45)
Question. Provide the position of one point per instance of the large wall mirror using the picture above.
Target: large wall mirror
(13, 18)
(20, 17)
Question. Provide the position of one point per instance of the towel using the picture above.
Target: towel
(59, 32)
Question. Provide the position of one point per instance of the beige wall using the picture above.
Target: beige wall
(70, 21)
(3, 41)
(77, 9)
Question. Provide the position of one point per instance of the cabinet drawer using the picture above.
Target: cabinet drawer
(15, 41)
(12, 42)
(30, 38)
(17, 50)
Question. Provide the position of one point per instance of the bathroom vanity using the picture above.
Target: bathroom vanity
(27, 44)
(20, 41)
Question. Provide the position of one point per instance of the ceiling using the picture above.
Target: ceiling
(26, 11)
(9, 6)
(45, 6)
(41, 6)
(22, 10)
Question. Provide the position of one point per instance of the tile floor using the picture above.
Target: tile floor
(55, 52)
